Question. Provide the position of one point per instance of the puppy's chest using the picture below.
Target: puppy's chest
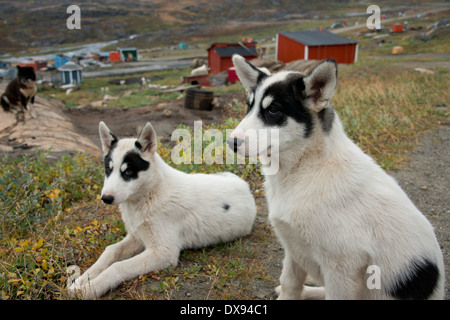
(134, 217)
(28, 90)
(293, 211)
(283, 199)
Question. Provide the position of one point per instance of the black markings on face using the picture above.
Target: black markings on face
(108, 165)
(138, 145)
(108, 158)
(130, 167)
(114, 140)
(132, 164)
(326, 117)
(250, 101)
(287, 102)
(251, 96)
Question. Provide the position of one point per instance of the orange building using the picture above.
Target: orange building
(114, 56)
(28, 64)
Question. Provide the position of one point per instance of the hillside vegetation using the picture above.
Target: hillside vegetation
(36, 25)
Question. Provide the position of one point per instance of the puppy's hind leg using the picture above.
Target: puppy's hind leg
(291, 280)
(313, 293)
(343, 284)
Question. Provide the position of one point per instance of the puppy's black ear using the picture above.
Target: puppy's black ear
(147, 141)
(248, 74)
(107, 138)
(320, 84)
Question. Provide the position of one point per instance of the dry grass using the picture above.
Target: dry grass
(385, 108)
(94, 90)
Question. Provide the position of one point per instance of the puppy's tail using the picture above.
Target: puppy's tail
(5, 103)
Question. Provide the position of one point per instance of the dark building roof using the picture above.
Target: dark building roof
(317, 38)
(127, 49)
(70, 66)
(229, 51)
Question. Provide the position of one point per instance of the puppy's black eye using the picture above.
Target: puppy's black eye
(128, 172)
(273, 110)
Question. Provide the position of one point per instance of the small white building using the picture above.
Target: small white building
(70, 73)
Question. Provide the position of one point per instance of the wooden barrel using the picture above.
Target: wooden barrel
(198, 99)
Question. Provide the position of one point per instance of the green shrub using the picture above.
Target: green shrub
(31, 190)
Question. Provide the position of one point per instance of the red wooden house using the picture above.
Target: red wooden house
(315, 45)
(219, 55)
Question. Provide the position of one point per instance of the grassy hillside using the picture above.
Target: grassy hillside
(29, 26)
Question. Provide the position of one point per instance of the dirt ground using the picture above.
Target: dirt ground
(76, 129)
(426, 180)
(165, 118)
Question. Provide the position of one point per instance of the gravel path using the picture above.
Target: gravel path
(426, 180)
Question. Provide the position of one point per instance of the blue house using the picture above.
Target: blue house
(70, 73)
(183, 46)
(60, 60)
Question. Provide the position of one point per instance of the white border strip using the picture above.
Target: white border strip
(276, 48)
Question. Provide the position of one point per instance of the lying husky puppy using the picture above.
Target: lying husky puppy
(164, 211)
(340, 218)
(19, 92)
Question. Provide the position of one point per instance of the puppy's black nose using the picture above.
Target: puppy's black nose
(108, 199)
(234, 143)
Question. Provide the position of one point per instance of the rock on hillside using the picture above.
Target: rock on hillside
(49, 128)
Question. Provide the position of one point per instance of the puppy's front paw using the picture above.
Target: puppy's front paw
(86, 292)
(280, 293)
(286, 295)
(278, 290)
(73, 291)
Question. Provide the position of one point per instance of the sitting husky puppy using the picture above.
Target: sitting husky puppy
(340, 218)
(164, 211)
(19, 92)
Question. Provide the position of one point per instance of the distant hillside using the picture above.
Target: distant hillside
(42, 23)
(29, 25)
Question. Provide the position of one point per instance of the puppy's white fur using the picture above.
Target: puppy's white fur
(335, 211)
(164, 211)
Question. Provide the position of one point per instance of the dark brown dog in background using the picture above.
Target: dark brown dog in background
(20, 92)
